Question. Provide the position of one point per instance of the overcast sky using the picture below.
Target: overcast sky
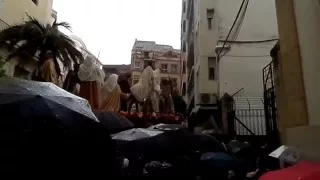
(111, 26)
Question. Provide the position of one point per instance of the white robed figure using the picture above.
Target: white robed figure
(156, 91)
(110, 94)
(143, 88)
(91, 77)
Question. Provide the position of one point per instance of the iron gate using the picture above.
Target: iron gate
(269, 95)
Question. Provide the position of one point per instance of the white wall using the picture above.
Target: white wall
(242, 67)
(14, 11)
(205, 42)
(308, 27)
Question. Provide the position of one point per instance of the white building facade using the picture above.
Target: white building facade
(15, 12)
(239, 71)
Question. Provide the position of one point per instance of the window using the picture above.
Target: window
(164, 68)
(137, 64)
(174, 68)
(149, 63)
(211, 73)
(184, 7)
(174, 82)
(35, 2)
(211, 68)
(210, 13)
(184, 67)
(146, 55)
(184, 47)
(210, 24)
(135, 79)
(184, 26)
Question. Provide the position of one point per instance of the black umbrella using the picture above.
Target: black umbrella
(146, 142)
(239, 148)
(206, 143)
(168, 127)
(23, 103)
(55, 130)
(114, 121)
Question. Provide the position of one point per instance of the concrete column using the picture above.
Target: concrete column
(293, 101)
(299, 31)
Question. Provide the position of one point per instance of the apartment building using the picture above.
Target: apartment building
(15, 12)
(238, 69)
(297, 75)
(119, 69)
(163, 57)
(198, 41)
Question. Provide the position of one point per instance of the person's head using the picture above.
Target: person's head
(88, 61)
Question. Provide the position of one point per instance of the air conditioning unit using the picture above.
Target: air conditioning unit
(207, 98)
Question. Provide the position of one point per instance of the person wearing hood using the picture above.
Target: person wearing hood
(110, 94)
(91, 77)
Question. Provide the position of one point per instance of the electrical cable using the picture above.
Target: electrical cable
(234, 23)
(252, 41)
(238, 28)
(248, 56)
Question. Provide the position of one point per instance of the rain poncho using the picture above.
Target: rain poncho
(110, 94)
(91, 77)
(142, 89)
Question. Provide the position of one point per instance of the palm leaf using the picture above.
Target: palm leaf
(32, 37)
(62, 24)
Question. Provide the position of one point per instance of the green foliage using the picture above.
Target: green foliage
(32, 37)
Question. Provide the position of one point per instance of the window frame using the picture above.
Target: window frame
(135, 65)
(176, 68)
(164, 70)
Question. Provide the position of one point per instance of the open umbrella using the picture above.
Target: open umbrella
(114, 121)
(238, 148)
(168, 127)
(140, 141)
(43, 128)
(302, 170)
(219, 160)
(23, 103)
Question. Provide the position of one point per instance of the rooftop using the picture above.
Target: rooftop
(153, 46)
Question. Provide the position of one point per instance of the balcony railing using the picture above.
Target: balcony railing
(3, 25)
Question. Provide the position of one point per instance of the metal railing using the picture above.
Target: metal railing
(3, 25)
(250, 122)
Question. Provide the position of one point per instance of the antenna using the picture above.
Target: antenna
(99, 54)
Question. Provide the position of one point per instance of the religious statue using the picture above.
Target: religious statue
(111, 94)
(141, 91)
(91, 77)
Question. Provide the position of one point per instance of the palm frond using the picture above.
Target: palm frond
(27, 48)
(10, 34)
(34, 37)
(62, 24)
